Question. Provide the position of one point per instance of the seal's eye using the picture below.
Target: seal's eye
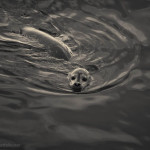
(73, 78)
(84, 79)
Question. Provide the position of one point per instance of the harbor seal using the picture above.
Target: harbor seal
(79, 78)
(56, 48)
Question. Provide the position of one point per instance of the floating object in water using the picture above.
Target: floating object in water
(56, 48)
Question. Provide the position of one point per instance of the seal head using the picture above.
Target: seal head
(79, 79)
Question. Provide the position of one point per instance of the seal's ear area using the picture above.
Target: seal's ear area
(69, 75)
(90, 80)
(91, 68)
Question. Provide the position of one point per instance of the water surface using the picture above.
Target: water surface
(38, 108)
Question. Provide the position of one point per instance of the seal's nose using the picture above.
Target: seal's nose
(77, 84)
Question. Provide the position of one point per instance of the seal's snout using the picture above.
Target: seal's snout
(76, 87)
(77, 84)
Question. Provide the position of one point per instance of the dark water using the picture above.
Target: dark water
(38, 109)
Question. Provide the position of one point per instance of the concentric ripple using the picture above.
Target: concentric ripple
(101, 41)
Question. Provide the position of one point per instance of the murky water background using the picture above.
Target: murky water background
(38, 109)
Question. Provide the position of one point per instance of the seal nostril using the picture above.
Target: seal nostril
(77, 84)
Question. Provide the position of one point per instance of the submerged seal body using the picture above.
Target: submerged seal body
(56, 48)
